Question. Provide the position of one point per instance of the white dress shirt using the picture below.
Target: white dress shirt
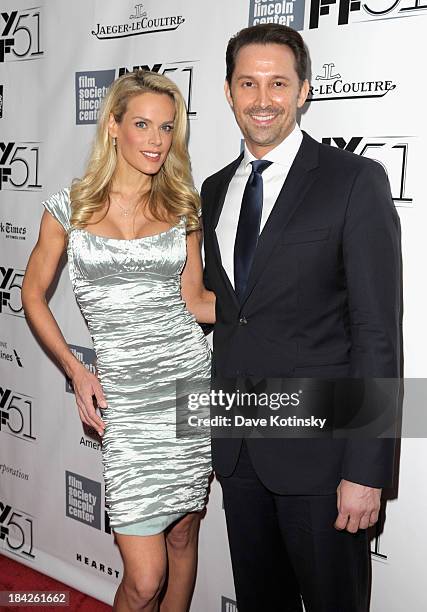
(273, 177)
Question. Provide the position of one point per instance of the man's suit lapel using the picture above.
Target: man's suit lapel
(226, 177)
(295, 187)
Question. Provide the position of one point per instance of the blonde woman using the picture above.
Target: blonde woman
(130, 230)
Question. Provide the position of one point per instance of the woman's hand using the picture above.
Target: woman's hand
(86, 385)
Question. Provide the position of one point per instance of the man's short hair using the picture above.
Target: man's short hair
(265, 34)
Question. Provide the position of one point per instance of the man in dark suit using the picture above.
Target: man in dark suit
(302, 251)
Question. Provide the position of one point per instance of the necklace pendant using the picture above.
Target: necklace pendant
(126, 213)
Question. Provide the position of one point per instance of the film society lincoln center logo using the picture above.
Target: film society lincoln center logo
(285, 12)
(140, 21)
(83, 499)
(91, 87)
(228, 605)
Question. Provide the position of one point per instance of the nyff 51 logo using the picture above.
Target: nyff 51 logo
(20, 35)
(16, 530)
(19, 166)
(366, 11)
(16, 414)
(10, 291)
(182, 73)
(92, 85)
(391, 152)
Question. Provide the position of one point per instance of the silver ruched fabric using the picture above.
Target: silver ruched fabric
(145, 340)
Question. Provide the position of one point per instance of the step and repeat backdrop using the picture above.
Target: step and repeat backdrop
(57, 60)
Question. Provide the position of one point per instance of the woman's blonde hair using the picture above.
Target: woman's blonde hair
(172, 190)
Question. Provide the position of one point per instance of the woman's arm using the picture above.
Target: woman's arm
(40, 272)
(199, 300)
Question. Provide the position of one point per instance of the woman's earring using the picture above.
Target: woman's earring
(114, 141)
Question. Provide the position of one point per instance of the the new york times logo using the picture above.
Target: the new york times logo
(10, 354)
(87, 357)
(13, 232)
(91, 86)
(83, 499)
(393, 9)
(285, 12)
(16, 414)
(139, 22)
(330, 85)
(10, 291)
(391, 152)
(228, 605)
(20, 35)
(16, 530)
(19, 166)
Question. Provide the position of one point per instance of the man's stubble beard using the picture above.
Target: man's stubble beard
(269, 135)
(263, 136)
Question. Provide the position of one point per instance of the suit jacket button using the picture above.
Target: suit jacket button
(243, 321)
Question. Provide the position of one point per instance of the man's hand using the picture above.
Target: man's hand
(358, 506)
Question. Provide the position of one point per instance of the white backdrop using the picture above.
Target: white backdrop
(55, 62)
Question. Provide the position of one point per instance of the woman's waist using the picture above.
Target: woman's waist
(146, 322)
(154, 353)
(125, 307)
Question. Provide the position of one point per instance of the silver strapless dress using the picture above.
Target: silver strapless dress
(145, 340)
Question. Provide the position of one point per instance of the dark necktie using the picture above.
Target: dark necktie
(248, 227)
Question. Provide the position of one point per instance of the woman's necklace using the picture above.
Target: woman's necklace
(126, 211)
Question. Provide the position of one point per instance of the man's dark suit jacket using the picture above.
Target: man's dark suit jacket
(323, 300)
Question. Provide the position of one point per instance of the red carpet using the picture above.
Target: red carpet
(17, 577)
